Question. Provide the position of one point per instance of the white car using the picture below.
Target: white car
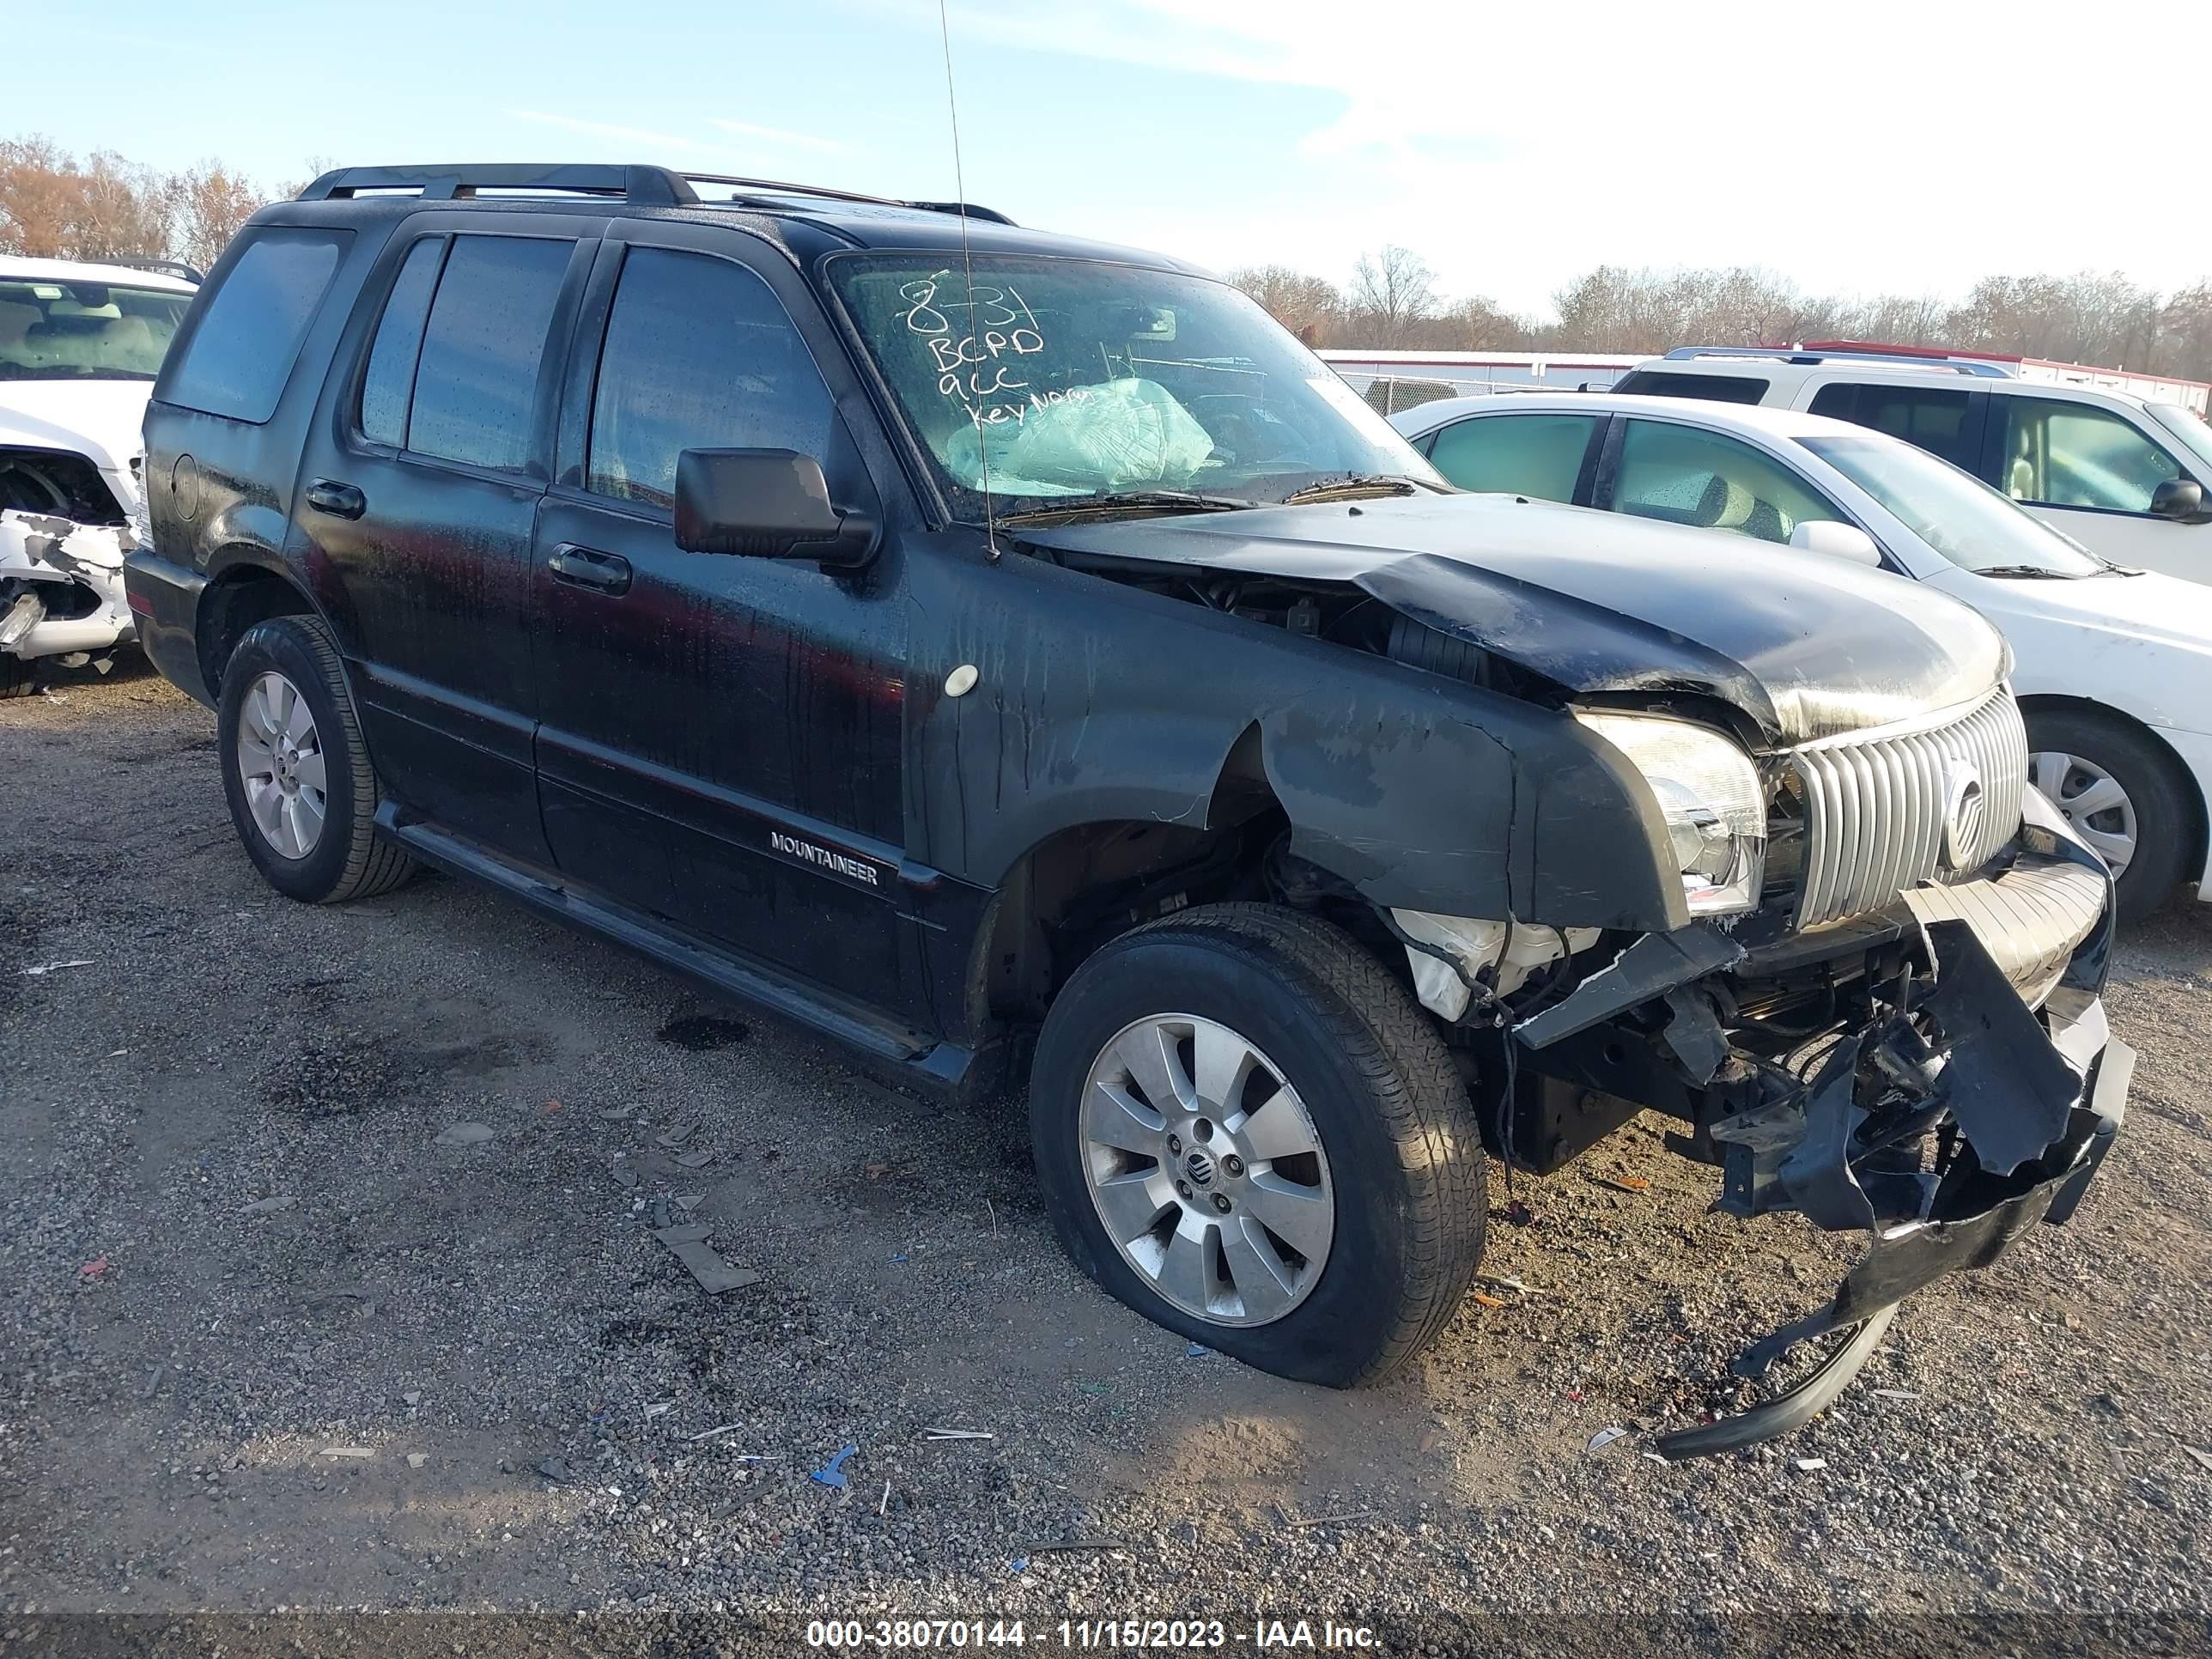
(2129, 477)
(80, 345)
(2113, 668)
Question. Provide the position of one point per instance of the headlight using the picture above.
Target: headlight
(1708, 795)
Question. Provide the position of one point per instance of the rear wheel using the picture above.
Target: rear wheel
(18, 678)
(1248, 1131)
(2122, 793)
(296, 771)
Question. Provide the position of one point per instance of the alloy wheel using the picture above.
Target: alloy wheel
(1205, 1169)
(280, 758)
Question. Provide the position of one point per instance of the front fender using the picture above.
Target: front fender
(1094, 701)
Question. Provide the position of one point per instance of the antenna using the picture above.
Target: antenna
(967, 270)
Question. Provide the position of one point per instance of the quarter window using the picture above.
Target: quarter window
(1538, 455)
(1938, 420)
(1683, 475)
(2068, 454)
(242, 349)
(699, 354)
(476, 387)
(1714, 388)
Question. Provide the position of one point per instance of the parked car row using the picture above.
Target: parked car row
(2129, 477)
(1008, 656)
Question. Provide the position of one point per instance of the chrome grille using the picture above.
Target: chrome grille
(1875, 806)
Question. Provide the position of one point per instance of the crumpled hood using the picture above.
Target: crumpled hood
(101, 420)
(1809, 646)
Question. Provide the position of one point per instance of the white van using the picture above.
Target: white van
(2128, 478)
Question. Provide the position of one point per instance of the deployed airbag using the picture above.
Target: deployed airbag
(1121, 435)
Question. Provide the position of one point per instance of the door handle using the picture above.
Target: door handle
(584, 567)
(340, 501)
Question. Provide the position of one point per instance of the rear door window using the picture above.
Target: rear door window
(699, 354)
(475, 385)
(1536, 455)
(1942, 422)
(243, 345)
(2069, 454)
(1665, 383)
(1686, 476)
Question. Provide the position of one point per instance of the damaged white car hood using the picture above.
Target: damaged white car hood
(100, 420)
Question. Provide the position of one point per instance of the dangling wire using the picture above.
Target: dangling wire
(968, 269)
(1507, 1105)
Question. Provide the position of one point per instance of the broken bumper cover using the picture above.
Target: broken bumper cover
(61, 586)
(1905, 1257)
(1979, 1096)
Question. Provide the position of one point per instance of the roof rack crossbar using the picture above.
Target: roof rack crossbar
(1789, 355)
(647, 186)
(642, 187)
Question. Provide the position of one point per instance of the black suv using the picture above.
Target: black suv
(993, 651)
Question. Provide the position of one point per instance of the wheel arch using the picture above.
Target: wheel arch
(1083, 884)
(244, 588)
(2192, 792)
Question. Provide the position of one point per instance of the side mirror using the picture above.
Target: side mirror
(2181, 500)
(769, 503)
(1840, 541)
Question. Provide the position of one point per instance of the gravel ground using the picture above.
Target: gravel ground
(271, 1339)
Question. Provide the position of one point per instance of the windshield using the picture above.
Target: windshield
(57, 331)
(2187, 425)
(1068, 379)
(1955, 513)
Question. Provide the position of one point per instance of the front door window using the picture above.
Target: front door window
(2069, 454)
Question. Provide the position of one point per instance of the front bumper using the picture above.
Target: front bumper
(165, 596)
(61, 586)
(1961, 1086)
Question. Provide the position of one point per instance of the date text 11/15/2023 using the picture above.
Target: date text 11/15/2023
(1090, 1635)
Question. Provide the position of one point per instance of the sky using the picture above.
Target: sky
(1884, 147)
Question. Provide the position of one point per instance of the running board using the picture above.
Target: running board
(912, 1057)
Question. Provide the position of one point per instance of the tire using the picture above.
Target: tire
(2159, 801)
(344, 860)
(1399, 1158)
(18, 678)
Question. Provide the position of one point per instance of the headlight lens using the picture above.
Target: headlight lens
(1708, 795)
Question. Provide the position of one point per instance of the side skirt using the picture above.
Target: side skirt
(908, 1058)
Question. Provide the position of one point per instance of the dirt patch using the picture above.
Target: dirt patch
(485, 1307)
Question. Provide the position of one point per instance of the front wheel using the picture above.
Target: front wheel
(2124, 793)
(1247, 1130)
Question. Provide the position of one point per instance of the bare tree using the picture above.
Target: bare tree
(1299, 303)
(54, 206)
(1392, 291)
(207, 206)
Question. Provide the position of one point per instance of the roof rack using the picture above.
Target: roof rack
(1933, 359)
(141, 262)
(640, 186)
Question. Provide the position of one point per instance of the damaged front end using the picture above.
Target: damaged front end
(1930, 1066)
(61, 588)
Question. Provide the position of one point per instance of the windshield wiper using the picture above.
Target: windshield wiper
(1128, 500)
(2024, 572)
(1368, 484)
